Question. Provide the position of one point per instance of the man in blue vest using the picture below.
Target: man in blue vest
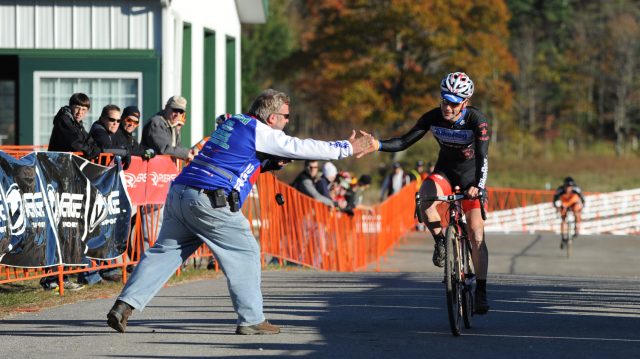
(203, 206)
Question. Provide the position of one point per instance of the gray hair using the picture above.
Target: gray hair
(268, 102)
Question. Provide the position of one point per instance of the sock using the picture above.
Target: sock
(481, 285)
(438, 237)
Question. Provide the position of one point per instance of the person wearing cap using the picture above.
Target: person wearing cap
(161, 134)
(462, 132)
(129, 122)
(203, 207)
(394, 181)
(569, 197)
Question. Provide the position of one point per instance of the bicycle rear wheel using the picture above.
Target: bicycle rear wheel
(452, 275)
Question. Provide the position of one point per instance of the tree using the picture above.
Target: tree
(263, 47)
(379, 63)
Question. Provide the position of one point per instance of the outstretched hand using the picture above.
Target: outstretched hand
(364, 144)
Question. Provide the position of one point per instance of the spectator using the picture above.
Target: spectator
(419, 173)
(104, 131)
(394, 181)
(68, 134)
(161, 134)
(355, 195)
(329, 173)
(130, 120)
(305, 182)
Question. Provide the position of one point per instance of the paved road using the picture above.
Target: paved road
(399, 312)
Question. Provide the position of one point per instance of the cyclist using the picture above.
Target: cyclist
(462, 132)
(569, 197)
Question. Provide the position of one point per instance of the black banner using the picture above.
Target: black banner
(56, 208)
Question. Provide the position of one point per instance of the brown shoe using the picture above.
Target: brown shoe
(118, 315)
(262, 328)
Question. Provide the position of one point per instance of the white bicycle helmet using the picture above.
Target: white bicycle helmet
(458, 84)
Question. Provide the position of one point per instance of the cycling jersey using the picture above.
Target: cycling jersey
(567, 199)
(464, 145)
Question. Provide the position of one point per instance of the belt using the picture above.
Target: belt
(220, 199)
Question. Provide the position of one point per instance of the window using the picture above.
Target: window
(53, 89)
(7, 112)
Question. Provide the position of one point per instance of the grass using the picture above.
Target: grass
(28, 296)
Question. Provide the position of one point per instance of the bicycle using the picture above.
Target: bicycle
(459, 277)
(568, 231)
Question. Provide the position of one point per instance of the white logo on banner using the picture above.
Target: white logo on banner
(131, 180)
(16, 210)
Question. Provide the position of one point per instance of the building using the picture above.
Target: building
(126, 52)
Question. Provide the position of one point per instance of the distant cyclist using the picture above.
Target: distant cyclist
(569, 197)
(462, 132)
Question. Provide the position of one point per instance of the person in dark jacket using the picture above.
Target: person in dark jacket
(68, 134)
(103, 133)
(130, 120)
(305, 182)
(161, 133)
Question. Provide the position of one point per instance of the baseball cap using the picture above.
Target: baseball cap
(131, 111)
(419, 163)
(177, 102)
(397, 165)
(451, 97)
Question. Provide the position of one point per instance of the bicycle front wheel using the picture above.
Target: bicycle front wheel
(452, 280)
(469, 285)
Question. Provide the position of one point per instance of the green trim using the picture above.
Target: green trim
(265, 5)
(209, 82)
(149, 67)
(185, 133)
(231, 75)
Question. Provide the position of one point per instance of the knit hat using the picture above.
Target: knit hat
(329, 170)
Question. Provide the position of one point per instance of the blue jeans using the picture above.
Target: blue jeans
(190, 220)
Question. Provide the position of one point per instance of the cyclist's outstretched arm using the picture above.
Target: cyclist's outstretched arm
(403, 142)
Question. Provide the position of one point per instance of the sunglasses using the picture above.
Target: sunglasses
(132, 122)
(446, 102)
(177, 110)
(114, 120)
(285, 115)
(313, 167)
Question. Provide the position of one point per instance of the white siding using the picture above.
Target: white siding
(79, 24)
(221, 16)
(63, 25)
(25, 17)
(7, 25)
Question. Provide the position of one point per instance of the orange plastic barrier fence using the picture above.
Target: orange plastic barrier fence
(307, 232)
(301, 230)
